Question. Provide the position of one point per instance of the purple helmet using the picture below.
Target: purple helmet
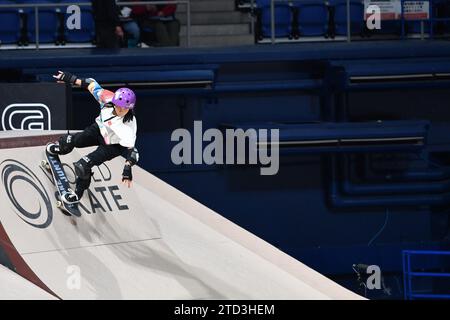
(124, 98)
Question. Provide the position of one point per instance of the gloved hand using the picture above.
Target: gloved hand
(127, 176)
(66, 77)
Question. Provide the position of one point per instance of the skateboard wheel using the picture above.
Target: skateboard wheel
(45, 165)
(59, 204)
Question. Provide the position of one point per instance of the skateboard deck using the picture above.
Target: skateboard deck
(53, 164)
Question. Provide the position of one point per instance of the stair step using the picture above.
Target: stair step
(219, 41)
(220, 17)
(218, 29)
(208, 6)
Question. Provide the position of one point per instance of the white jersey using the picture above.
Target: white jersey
(112, 127)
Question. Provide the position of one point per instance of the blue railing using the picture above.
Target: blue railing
(431, 20)
(409, 275)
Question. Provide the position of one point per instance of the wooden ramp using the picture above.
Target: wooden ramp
(148, 242)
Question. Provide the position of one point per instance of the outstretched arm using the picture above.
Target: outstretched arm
(70, 78)
(100, 94)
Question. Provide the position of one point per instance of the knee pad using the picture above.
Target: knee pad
(66, 144)
(83, 168)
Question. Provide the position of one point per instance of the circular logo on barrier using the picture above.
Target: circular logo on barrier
(26, 193)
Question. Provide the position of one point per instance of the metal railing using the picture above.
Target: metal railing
(409, 274)
(272, 18)
(431, 20)
(36, 7)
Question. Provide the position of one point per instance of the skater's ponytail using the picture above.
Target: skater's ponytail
(129, 116)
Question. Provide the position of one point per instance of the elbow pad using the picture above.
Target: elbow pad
(86, 82)
(133, 156)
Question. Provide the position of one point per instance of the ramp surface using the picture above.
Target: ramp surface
(13, 287)
(147, 242)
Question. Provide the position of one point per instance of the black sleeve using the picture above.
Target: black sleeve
(106, 11)
(115, 14)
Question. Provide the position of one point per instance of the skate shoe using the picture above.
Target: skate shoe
(70, 197)
(53, 149)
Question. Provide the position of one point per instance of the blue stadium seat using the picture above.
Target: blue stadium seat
(312, 17)
(283, 19)
(87, 31)
(9, 24)
(340, 16)
(48, 23)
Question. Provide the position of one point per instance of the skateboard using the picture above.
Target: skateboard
(52, 163)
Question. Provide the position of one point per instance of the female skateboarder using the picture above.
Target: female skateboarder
(114, 132)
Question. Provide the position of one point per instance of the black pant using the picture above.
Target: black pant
(106, 37)
(91, 137)
(166, 33)
(88, 138)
